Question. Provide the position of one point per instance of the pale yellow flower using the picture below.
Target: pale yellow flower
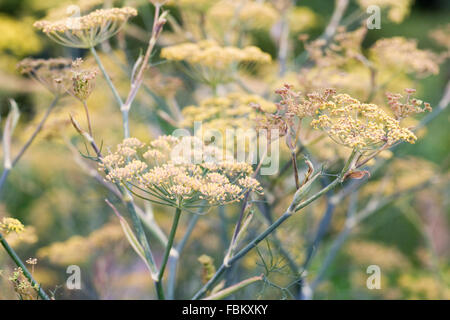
(89, 30)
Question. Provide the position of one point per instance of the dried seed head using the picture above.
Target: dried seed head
(54, 74)
(409, 105)
(82, 80)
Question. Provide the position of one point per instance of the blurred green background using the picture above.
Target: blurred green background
(50, 192)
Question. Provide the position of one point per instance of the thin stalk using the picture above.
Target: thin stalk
(173, 231)
(136, 83)
(283, 44)
(126, 127)
(294, 164)
(237, 228)
(137, 223)
(88, 119)
(173, 261)
(21, 265)
(289, 212)
(27, 144)
(222, 294)
(107, 78)
(3, 177)
(148, 220)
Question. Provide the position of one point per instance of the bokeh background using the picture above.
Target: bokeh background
(69, 223)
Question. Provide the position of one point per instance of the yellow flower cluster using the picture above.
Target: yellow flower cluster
(53, 74)
(17, 37)
(423, 286)
(397, 10)
(403, 54)
(78, 249)
(232, 111)
(367, 253)
(248, 14)
(209, 54)
(197, 5)
(359, 125)
(301, 19)
(8, 225)
(179, 177)
(346, 44)
(442, 36)
(89, 30)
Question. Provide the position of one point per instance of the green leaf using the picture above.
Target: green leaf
(303, 191)
(132, 239)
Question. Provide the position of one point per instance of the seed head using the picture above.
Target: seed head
(89, 30)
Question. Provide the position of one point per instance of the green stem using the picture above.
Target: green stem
(173, 261)
(173, 231)
(125, 111)
(108, 79)
(21, 265)
(289, 212)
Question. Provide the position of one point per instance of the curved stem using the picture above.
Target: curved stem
(107, 78)
(88, 119)
(21, 265)
(289, 212)
(27, 144)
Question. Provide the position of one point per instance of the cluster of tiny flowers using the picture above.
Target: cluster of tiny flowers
(195, 5)
(249, 15)
(231, 111)
(359, 125)
(209, 54)
(79, 249)
(403, 53)
(301, 18)
(291, 106)
(53, 74)
(345, 45)
(178, 180)
(293, 103)
(442, 37)
(8, 225)
(89, 30)
(82, 80)
(408, 107)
